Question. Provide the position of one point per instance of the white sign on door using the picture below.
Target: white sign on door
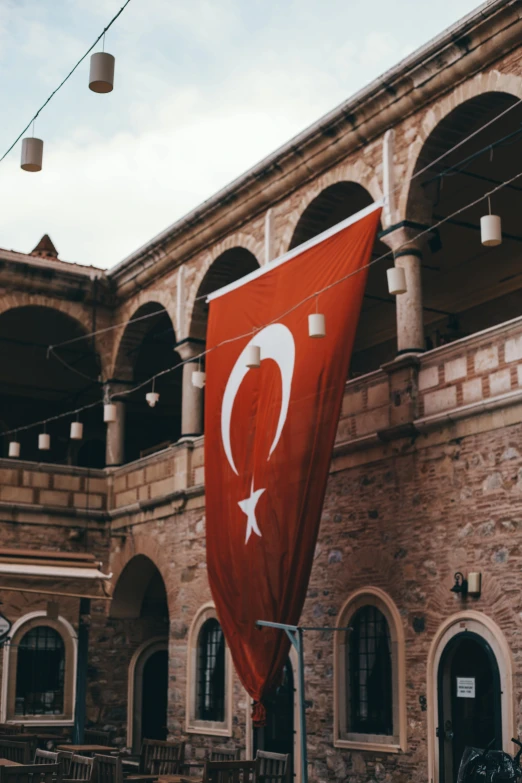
(465, 687)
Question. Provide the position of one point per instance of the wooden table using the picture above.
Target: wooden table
(9, 763)
(180, 779)
(87, 748)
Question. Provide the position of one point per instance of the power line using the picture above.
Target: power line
(396, 188)
(309, 298)
(51, 96)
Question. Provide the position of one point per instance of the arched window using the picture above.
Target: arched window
(210, 694)
(39, 666)
(40, 673)
(370, 699)
(209, 677)
(370, 673)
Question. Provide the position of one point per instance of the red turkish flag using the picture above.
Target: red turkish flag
(269, 435)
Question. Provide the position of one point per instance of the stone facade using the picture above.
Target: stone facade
(426, 474)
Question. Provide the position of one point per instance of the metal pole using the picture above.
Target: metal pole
(295, 634)
(302, 714)
(81, 671)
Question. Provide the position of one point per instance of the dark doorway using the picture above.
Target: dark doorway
(154, 696)
(278, 734)
(469, 701)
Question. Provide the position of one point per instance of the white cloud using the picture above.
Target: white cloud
(203, 90)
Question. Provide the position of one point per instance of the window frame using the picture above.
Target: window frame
(10, 665)
(343, 737)
(194, 725)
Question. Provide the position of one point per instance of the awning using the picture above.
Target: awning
(75, 575)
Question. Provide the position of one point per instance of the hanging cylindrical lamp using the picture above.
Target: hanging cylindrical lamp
(199, 378)
(316, 325)
(101, 74)
(44, 441)
(396, 280)
(32, 154)
(253, 356)
(152, 397)
(76, 430)
(14, 449)
(109, 412)
(490, 228)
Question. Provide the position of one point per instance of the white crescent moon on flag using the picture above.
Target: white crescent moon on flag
(276, 342)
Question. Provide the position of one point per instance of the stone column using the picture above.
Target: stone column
(407, 252)
(115, 437)
(191, 396)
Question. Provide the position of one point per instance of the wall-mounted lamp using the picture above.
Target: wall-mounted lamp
(474, 583)
(470, 586)
(461, 585)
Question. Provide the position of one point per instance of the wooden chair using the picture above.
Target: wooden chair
(272, 767)
(107, 769)
(225, 754)
(20, 752)
(65, 759)
(159, 758)
(31, 773)
(45, 757)
(94, 736)
(80, 768)
(229, 772)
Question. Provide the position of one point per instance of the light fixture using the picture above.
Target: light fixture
(253, 356)
(461, 585)
(109, 412)
(101, 73)
(316, 325)
(14, 449)
(32, 154)
(152, 397)
(474, 583)
(199, 377)
(490, 229)
(44, 441)
(396, 280)
(76, 430)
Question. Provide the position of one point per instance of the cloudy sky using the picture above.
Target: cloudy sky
(203, 90)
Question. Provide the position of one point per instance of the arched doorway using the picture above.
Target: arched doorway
(149, 694)
(469, 696)
(470, 647)
(277, 735)
(140, 614)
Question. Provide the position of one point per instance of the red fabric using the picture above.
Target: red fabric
(266, 577)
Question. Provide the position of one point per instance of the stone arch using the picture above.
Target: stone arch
(135, 579)
(245, 242)
(133, 333)
(463, 151)
(230, 265)
(483, 83)
(357, 173)
(77, 312)
(481, 625)
(39, 385)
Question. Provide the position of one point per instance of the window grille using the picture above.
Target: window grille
(210, 693)
(40, 673)
(370, 674)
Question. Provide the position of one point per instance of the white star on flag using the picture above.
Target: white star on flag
(248, 507)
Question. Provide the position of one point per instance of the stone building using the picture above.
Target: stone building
(426, 473)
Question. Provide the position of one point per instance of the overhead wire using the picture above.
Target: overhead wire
(51, 96)
(277, 318)
(395, 189)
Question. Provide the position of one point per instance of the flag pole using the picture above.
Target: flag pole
(295, 634)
